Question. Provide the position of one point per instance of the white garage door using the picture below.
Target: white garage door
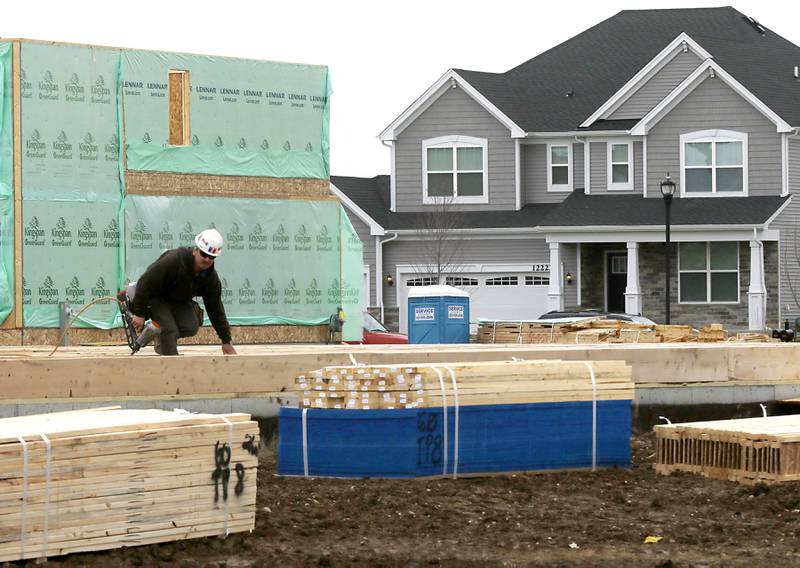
(499, 296)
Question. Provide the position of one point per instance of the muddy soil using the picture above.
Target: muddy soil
(559, 519)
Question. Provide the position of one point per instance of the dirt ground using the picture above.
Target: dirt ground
(559, 519)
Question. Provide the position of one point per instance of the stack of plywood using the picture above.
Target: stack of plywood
(501, 382)
(107, 478)
(751, 450)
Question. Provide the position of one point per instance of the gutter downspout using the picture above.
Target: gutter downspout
(379, 270)
(392, 193)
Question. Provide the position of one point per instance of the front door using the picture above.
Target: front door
(616, 281)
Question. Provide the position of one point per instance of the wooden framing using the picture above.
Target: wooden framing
(750, 450)
(17, 127)
(80, 372)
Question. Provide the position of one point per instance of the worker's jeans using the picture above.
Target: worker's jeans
(176, 320)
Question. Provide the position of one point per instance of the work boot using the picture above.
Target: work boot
(157, 345)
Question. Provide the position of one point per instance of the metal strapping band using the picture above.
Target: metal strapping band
(456, 425)
(225, 530)
(444, 420)
(48, 453)
(304, 422)
(594, 415)
(24, 514)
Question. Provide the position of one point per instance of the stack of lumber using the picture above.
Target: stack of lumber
(496, 382)
(675, 333)
(588, 330)
(712, 333)
(106, 478)
(750, 450)
(458, 418)
(753, 337)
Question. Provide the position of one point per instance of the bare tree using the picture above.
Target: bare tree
(442, 240)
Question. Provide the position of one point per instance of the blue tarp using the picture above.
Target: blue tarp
(491, 438)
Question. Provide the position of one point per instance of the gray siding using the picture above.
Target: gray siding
(598, 166)
(658, 87)
(494, 251)
(714, 105)
(368, 242)
(455, 113)
(533, 163)
(598, 157)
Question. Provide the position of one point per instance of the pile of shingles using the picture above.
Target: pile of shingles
(588, 330)
(749, 450)
(107, 478)
(478, 383)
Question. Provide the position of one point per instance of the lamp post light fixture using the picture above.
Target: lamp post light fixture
(667, 191)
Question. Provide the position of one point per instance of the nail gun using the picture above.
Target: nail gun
(136, 340)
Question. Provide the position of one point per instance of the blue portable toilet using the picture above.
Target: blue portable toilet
(438, 314)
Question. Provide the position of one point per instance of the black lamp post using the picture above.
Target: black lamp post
(667, 190)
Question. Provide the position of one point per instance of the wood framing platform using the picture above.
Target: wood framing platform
(27, 373)
(750, 450)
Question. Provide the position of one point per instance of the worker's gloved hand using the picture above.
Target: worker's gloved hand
(227, 349)
(138, 323)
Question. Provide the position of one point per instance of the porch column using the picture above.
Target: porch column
(756, 293)
(555, 293)
(633, 294)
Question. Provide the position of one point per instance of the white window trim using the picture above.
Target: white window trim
(455, 142)
(561, 188)
(714, 136)
(708, 278)
(627, 186)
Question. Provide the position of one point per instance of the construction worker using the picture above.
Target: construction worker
(166, 290)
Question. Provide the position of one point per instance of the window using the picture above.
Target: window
(537, 280)
(502, 281)
(460, 281)
(619, 264)
(714, 162)
(455, 169)
(559, 167)
(423, 281)
(178, 92)
(620, 166)
(708, 272)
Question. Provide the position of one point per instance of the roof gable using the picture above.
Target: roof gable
(596, 64)
(707, 69)
(450, 79)
(679, 45)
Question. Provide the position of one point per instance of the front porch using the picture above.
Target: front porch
(730, 280)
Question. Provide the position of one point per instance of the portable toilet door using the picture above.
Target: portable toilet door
(438, 314)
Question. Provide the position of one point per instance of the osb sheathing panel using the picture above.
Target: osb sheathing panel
(206, 336)
(201, 185)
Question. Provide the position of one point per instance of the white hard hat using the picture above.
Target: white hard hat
(209, 242)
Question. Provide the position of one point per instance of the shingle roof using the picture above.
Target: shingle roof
(370, 194)
(598, 62)
(580, 209)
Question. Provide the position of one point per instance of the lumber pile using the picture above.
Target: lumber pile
(712, 333)
(458, 418)
(588, 330)
(107, 478)
(749, 451)
(424, 386)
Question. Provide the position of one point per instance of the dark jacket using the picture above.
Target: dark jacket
(172, 278)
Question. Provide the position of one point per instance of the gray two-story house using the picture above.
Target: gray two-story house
(547, 178)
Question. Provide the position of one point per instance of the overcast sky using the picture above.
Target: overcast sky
(382, 55)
